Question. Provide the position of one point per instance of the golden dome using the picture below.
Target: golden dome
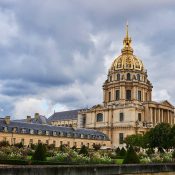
(127, 60)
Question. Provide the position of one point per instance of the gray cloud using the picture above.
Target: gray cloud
(56, 53)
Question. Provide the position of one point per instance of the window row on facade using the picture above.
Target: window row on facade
(128, 95)
(55, 133)
(128, 77)
(100, 118)
(56, 143)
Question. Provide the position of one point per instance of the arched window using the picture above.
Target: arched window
(138, 77)
(128, 94)
(128, 76)
(118, 77)
(99, 117)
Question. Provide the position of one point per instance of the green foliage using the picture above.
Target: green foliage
(96, 146)
(40, 153)
(117, 151)
(84, 150)
(173, 154)
(19, 145)
(74, 148)
(131, 156)
(62, 148)
(122, 152)
(160, 136)
(134, 140)
(150, 151)
(4, 143)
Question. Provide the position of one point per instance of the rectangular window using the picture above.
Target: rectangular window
(139, 95)
(47, 142)
(39, 141)
(75, 143)
(117, 97)
(109, 96)
(128, 94)
(121, 117)
(121, 138)
(139, 117)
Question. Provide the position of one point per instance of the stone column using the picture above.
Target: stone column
(168, 116)
(158, 115)
(151, 115)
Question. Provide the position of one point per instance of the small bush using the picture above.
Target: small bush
(84, 151)
(131, 156)
(19, 145)
(122, 152)
(117, 151)
(4, 143)
(40, 153)
(150, 151)
(96, 146)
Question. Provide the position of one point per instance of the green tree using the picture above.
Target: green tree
(131, 156)
(172, 137)
(84, 150)
(40, 153)
(160, 136)
(135, 140)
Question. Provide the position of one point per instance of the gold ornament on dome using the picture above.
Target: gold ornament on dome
(127, 60)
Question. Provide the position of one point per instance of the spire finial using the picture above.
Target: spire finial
(127, 42)
(127, 35)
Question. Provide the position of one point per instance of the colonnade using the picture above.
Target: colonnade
(159, 115)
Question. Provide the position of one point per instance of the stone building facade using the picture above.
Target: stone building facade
(127, 100)
(36, 131)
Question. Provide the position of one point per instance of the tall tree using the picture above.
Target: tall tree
(160, 136)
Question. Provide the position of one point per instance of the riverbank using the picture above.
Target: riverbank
(85, 169)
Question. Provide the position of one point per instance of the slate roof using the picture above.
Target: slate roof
(59, 131)
(65, 115)
(41, 120)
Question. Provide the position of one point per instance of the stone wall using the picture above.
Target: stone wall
(84, 169)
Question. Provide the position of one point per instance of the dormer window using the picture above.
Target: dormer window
(39, 132)
(23, 130)
(5, 129)
(47, 133)
(31, 131)
(14, 130)
(54, 133)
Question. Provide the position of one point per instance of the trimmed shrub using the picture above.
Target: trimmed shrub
(131, 156)
(40, 153)
(122, 152)
(4, 143)
(84, 151)
(96, 146)
(117, 151)
(19, 145)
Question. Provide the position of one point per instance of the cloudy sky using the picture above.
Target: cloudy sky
(55, 54)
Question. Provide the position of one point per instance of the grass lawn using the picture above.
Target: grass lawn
(119, 161)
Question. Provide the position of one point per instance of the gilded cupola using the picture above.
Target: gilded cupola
(127, 60)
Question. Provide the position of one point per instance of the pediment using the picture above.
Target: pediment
(167, 103)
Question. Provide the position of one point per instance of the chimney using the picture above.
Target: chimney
(29, 119)
(7, 120)
(36, 116)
